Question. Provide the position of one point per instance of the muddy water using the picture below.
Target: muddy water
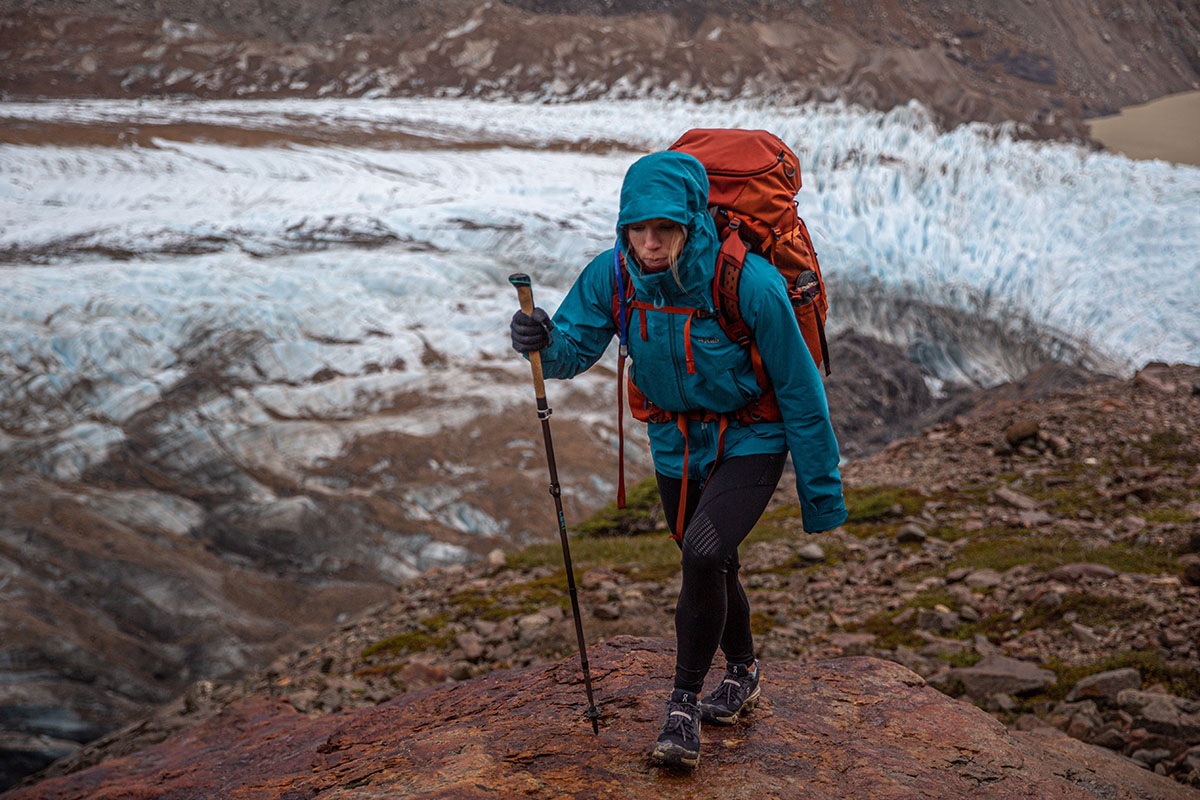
(1167, 129)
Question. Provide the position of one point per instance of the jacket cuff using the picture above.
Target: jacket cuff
(817, 523)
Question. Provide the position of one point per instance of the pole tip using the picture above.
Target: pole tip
(519, 279)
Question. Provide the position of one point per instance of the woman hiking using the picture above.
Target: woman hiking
(716, 469)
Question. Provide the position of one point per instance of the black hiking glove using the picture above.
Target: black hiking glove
(531, 332)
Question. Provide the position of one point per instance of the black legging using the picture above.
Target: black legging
(712, 608)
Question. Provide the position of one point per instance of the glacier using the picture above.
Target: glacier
(316, 258)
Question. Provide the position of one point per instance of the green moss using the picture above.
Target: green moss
(1171, 448)
(548, 590)
(1167, 515)
(888, 634)
(1045, 552)
(871, 503)
(761, 622)
(408, 642)
(963, 658)
(642, 513)
(1178, 679)
(607, 551)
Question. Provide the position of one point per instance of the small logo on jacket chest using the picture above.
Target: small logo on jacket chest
(707, 339)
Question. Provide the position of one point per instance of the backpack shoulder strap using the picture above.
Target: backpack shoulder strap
(726, 284)
(730, 260)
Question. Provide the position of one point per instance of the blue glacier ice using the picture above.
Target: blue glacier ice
(281, 264)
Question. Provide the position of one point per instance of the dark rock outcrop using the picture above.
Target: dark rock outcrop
(850, 727)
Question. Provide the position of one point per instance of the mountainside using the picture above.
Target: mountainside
(254, 375)
(1044, 65)
(1038, 556)
(847, 727)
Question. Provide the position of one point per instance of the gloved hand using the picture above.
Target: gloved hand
(531, 332)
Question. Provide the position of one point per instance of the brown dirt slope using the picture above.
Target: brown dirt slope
(1045, 65)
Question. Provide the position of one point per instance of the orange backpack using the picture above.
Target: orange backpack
(753, 178)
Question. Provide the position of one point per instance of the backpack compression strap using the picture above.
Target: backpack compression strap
(730, 259)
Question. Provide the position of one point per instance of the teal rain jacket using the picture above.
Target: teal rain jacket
(674, 186)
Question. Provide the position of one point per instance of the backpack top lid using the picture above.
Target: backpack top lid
(751, 172)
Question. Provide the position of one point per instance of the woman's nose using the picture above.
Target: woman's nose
(652, 240)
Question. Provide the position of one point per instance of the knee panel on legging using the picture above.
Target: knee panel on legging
(703, 549)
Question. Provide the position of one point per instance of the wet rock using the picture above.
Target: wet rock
(853, 727)
(999, 673)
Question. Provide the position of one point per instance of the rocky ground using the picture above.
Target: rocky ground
(845, 727)
(1047, 66)
(1040, 559)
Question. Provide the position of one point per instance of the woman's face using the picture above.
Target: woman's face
(657, 243)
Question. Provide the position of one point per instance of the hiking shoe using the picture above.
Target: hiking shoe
(738, 691)
(679, 743)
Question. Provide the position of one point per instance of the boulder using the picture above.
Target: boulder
(911, 533)
(997, 673)
(811, 552)
(1019, 431)
(1074, 572)
(1164, 714)
(1016, 499)
(848, 727)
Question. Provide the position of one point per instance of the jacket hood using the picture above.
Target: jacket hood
(673, 186)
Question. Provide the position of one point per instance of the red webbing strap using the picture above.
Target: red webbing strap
(621, 431)
(642, 306)
(681, 422)
(687, 344)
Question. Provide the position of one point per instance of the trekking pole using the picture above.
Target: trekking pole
(525, 295)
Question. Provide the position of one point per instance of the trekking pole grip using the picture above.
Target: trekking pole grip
(524, 288)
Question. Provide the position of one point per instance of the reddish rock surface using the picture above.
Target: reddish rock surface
(849, 727)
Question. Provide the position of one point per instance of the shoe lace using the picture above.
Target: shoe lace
(680, 721)
(729, 689)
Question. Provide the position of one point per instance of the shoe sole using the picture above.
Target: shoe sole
(672, 755)
(710, 715)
